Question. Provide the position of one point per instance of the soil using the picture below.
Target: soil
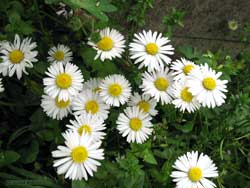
(204, 19)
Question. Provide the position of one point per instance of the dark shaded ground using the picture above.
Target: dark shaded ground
(206, 19)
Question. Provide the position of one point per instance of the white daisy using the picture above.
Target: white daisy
(54, 108)
(110, 45)
(135, 125)
(151, 50)
(115, 90)
(205, 85)
(79, 158)
(64, 81)
(17, 56)
(158, 84)
(1, 86)
(90, 125)
(144, 102)
(60, 54)
(91, 103)
(62, 10)
(181, 68)
(193, 171)
(184, 100)
(93, 84)
(1, 44)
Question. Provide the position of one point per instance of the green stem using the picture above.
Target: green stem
(39, 17)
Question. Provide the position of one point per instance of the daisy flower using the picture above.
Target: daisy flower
(60, 54)
(192, 171)
(1, 44)
(144, 102)
(54, 108)
(135, 125)
(184, 100)
(181, 68)
(1, 86)
(64, 81)
(158, 84)
(17, 56)
(115, 90)
(90, 125)
(93, 84)
(205, 85)
(62, 10)
(79, 158)
(91, 103)
(151, 50)
(110, 45)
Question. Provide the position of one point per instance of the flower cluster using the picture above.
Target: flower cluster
(181, 82)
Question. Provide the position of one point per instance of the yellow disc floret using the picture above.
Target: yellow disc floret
(195, 174)
(187, 69)
(115, 90)
(16, 56)
(92, 107)
(186, 95)
(79, 154)
(59, 55)
(105, 44)
(61, 103)
(151, 48)
(135, 124)
(161, 84)
(97, 90)
(84, 129)
(209, 83)
(63, 80)
(144, 106)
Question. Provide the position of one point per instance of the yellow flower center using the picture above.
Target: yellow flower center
(59, 55)
(186, 95)
(209, 83)
(135, 124)
(84, 129)
(161, 84)
(115, 90)
(187, 69)
(16, 56)
(97, 90)
(195, 174)
(61, 103)
(151, 48)
(105, 44)
(79, 154)
(63, 81)
(92, 107)
(144, 106)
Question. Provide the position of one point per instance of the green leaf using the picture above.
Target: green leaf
(29, 154)
(17, 25)
(46, 135)
(189, 52)
(17, 133)
(78, 183)
(144, 151)
(186, 128)
(96, 8)
(75, 23)
(52, 1)
(8, 157)
(149, 157)
(34, 87)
